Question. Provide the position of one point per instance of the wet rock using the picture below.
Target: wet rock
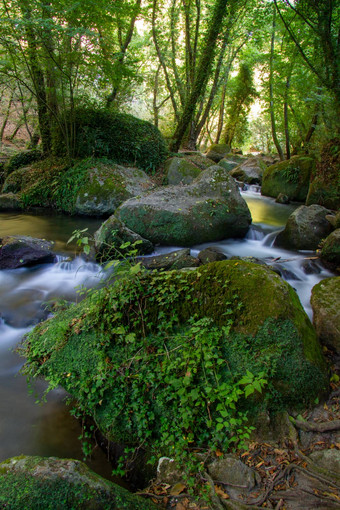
(326, 311)
(305, 228)
(282, 199)
(210, 254)
(250, 171)
(49, 483)
(180, 171)
(22, 251)
(218, 151)
(112, 234)
(209, 209)
(174, 260)
(310, 267)
(200, 161)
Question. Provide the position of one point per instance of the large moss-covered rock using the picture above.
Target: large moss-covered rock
(180, 171)
(107, 186)
(209, 209)
(326, 311)
(289, 177)
(330, 251)
(112, 234)
(200, 160)
(22, 251)
(9, 202)
(110, 351)
(218, 151)
(305, 228)
(91, 187)
(49, 483)
(110, 134)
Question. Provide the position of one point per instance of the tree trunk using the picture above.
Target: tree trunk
(4, 123)
(202, 74)
(271, 89)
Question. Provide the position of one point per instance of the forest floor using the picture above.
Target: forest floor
(288, 478)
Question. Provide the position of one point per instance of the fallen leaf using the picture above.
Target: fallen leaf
(220, 492)
(177, 489)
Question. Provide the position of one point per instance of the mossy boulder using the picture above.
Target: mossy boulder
(9, 202)
(112, 234)
(209, 209)
(289, 177)
(218, 151)
(305, 228)
(177, 259)
(47, 483)
(180, 171)
(114, 352)
(250, 171)
(107, 186)
(93, 187)
(326, 311)
(330, 251)
(22, 251)
(200, 160)
(118, 136)
(21, 159)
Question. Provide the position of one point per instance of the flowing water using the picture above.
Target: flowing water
(27, 428)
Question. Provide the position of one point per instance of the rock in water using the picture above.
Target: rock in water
(305, 228)
(209, 209)
(22, 251)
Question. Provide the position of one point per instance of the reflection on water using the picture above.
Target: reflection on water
(57, 227)
(266, 212)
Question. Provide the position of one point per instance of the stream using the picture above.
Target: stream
(49, 430)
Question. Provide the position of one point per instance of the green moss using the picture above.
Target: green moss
(289, 177)
(22, 487)
(109, 351)
(120, 137)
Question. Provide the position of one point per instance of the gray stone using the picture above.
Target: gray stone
(282, 199)
(112, 235)
(9, 202)
(209, 209)
(327, 459)
(108, 187)
(232, 471)
(21, 251)
(218, 151)
(178, 259)
(180, 171)
(326, 311)
(210, 254)
(250, 171)
(305, 228)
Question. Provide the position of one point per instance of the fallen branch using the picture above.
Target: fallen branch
(326, 426)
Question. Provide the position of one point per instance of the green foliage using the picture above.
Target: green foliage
(22, 159)
(151, 373)
(118, 136)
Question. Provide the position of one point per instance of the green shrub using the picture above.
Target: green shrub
(117, 136)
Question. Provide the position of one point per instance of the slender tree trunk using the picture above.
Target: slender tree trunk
(202, 74)
(286, 119)
(271, 89)
(4, 123)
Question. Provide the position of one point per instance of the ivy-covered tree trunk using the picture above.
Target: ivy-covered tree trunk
(202, 74)
(271, 90)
